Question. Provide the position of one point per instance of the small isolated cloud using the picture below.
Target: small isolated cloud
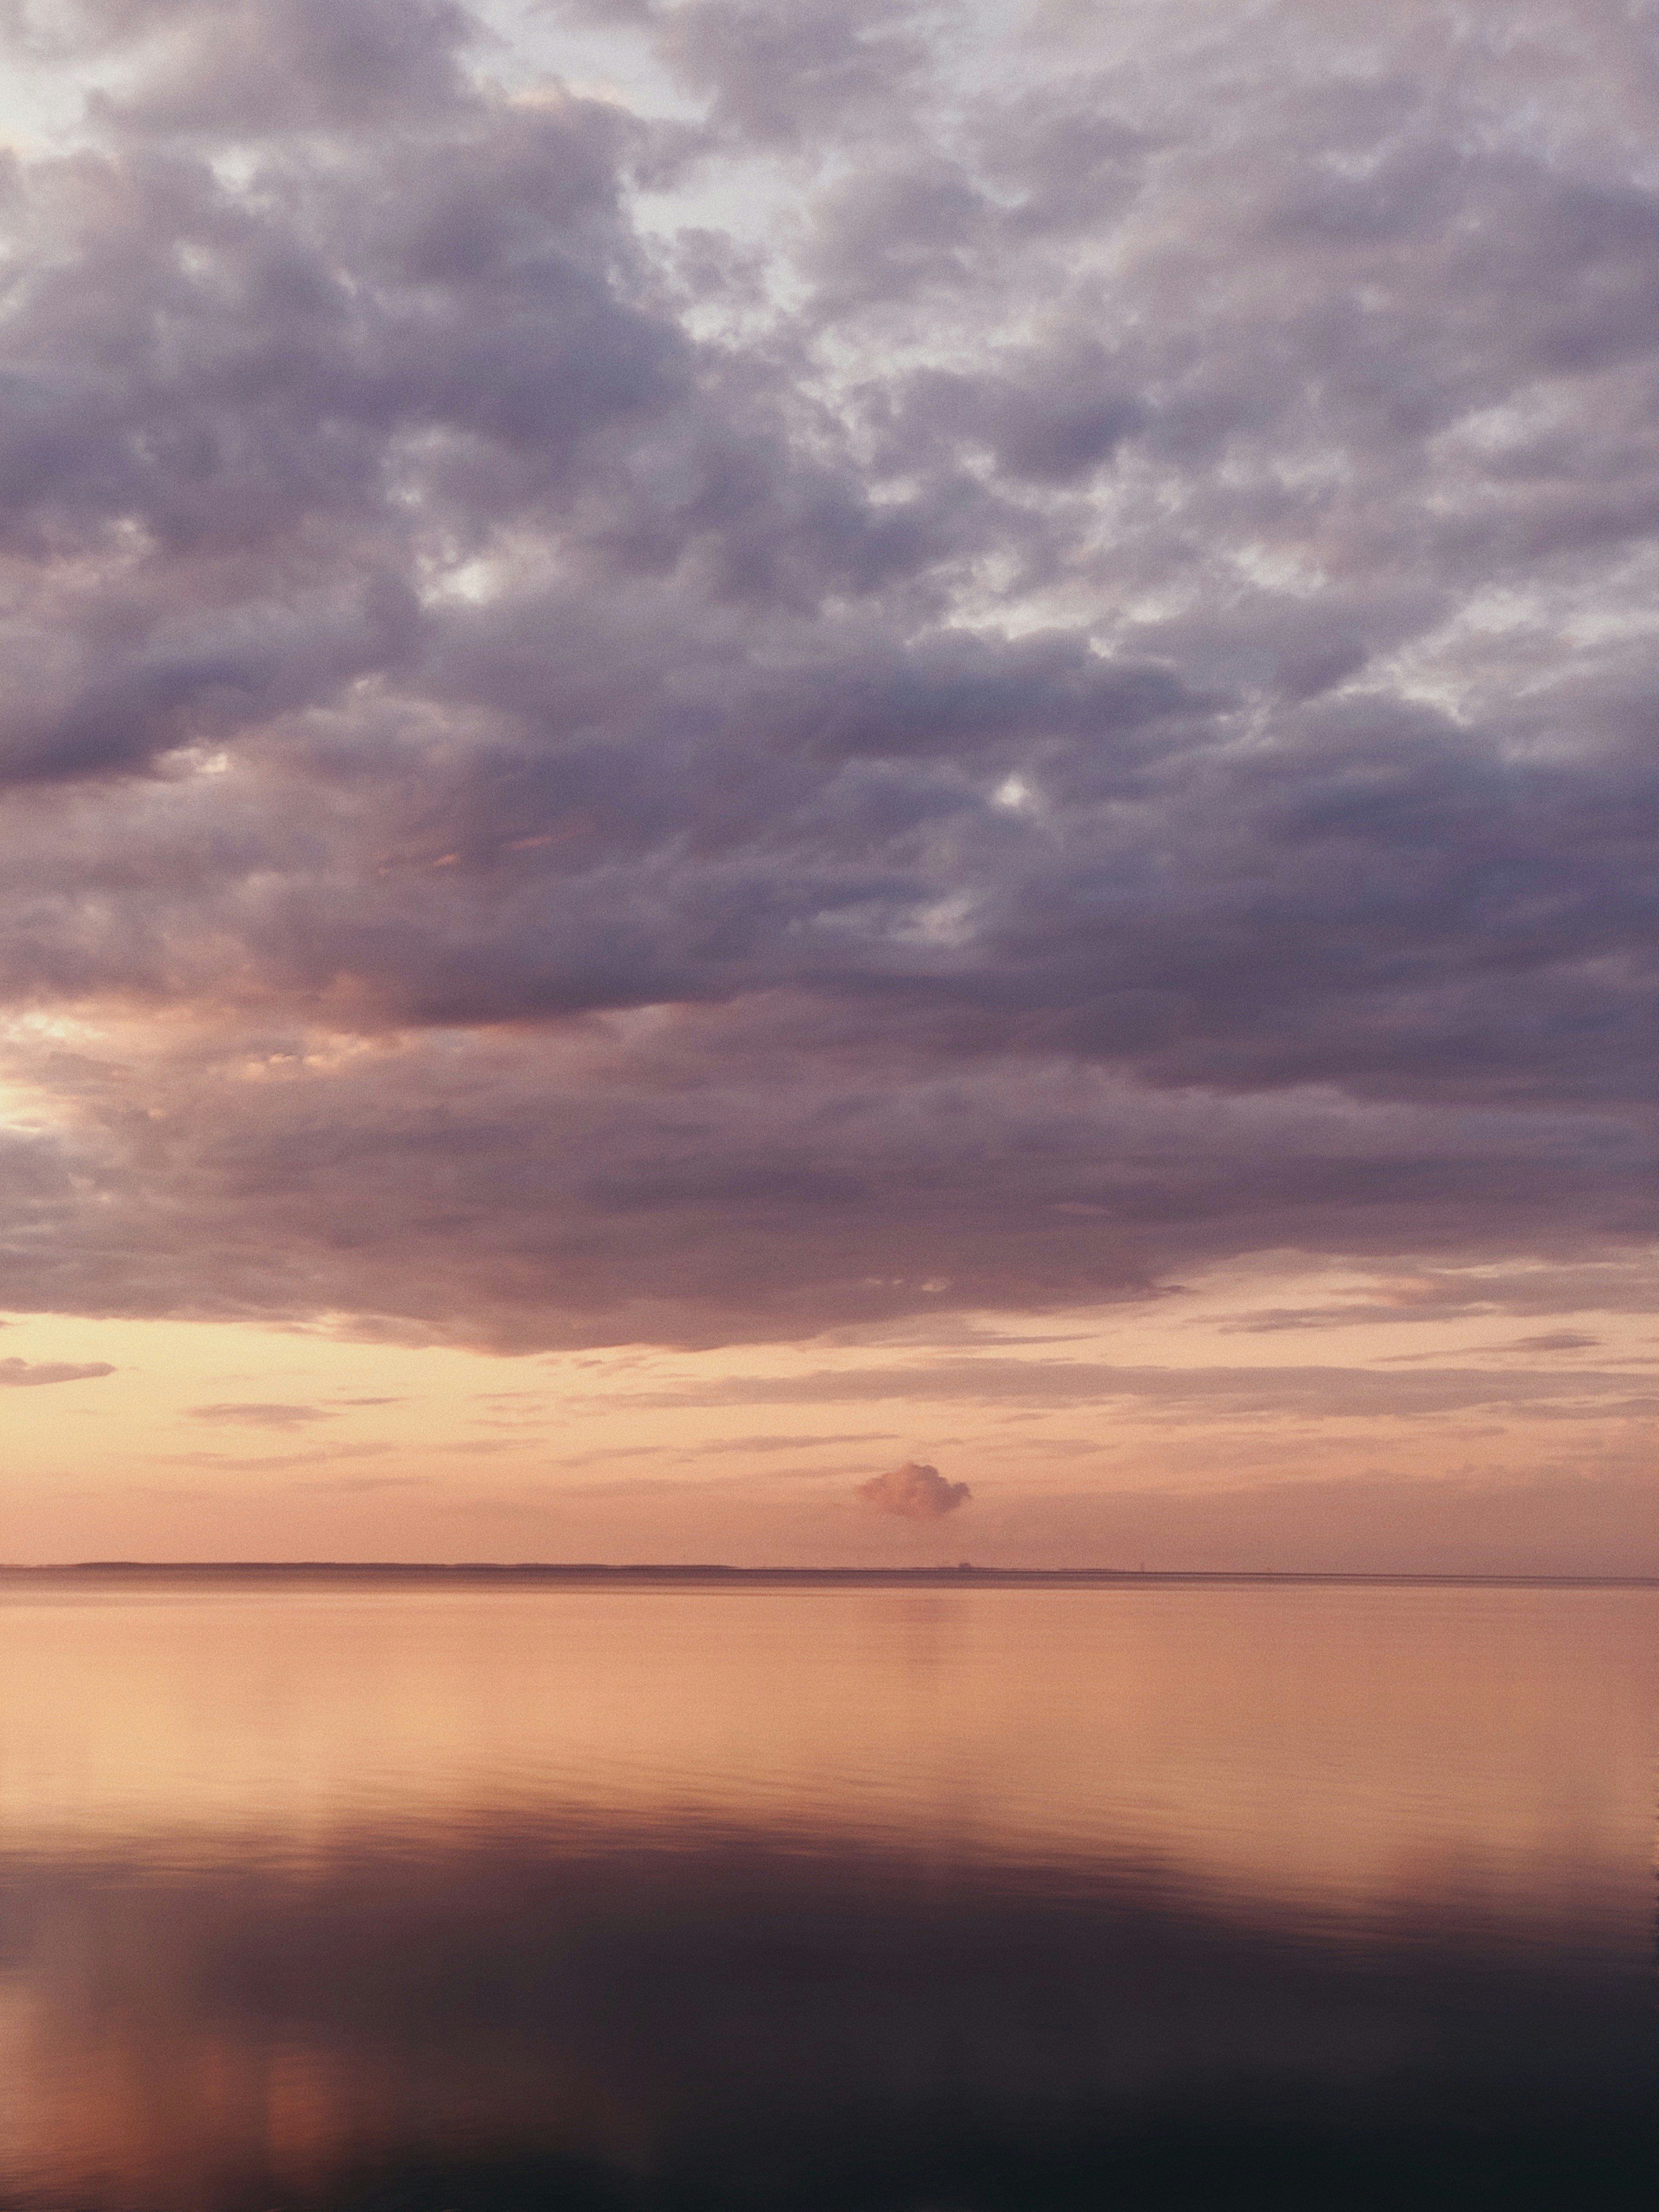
(261, 1417)
(22, 1372)
(913, 1491)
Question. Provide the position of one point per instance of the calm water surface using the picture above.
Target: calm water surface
(414, 1896)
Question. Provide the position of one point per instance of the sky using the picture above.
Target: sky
(796, 782)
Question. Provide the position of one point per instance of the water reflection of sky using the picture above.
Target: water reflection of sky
(420, 1897)
(1354, 1746)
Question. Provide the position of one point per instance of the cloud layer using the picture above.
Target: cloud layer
(965, 663)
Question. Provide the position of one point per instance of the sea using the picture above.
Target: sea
(629, 1890)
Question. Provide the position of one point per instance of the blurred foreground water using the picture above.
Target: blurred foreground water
(326, 1893)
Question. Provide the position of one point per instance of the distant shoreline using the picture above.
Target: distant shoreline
(599, 1573)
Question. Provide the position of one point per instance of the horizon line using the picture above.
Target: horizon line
(964, 1571)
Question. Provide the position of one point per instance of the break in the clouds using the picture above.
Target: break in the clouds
(915, 1491)
(696, 671)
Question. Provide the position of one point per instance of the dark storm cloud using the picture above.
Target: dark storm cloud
(1047, 674)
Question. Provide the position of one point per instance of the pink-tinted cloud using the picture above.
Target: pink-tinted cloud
(261, 1416)
(915, 1491)
(22, 1373)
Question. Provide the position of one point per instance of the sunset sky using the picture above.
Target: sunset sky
(768, 758)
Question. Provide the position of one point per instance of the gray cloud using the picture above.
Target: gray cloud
(1072, 698)
(22, 1373)
(915, 1491)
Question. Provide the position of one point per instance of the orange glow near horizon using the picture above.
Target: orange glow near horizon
(227, 1440)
